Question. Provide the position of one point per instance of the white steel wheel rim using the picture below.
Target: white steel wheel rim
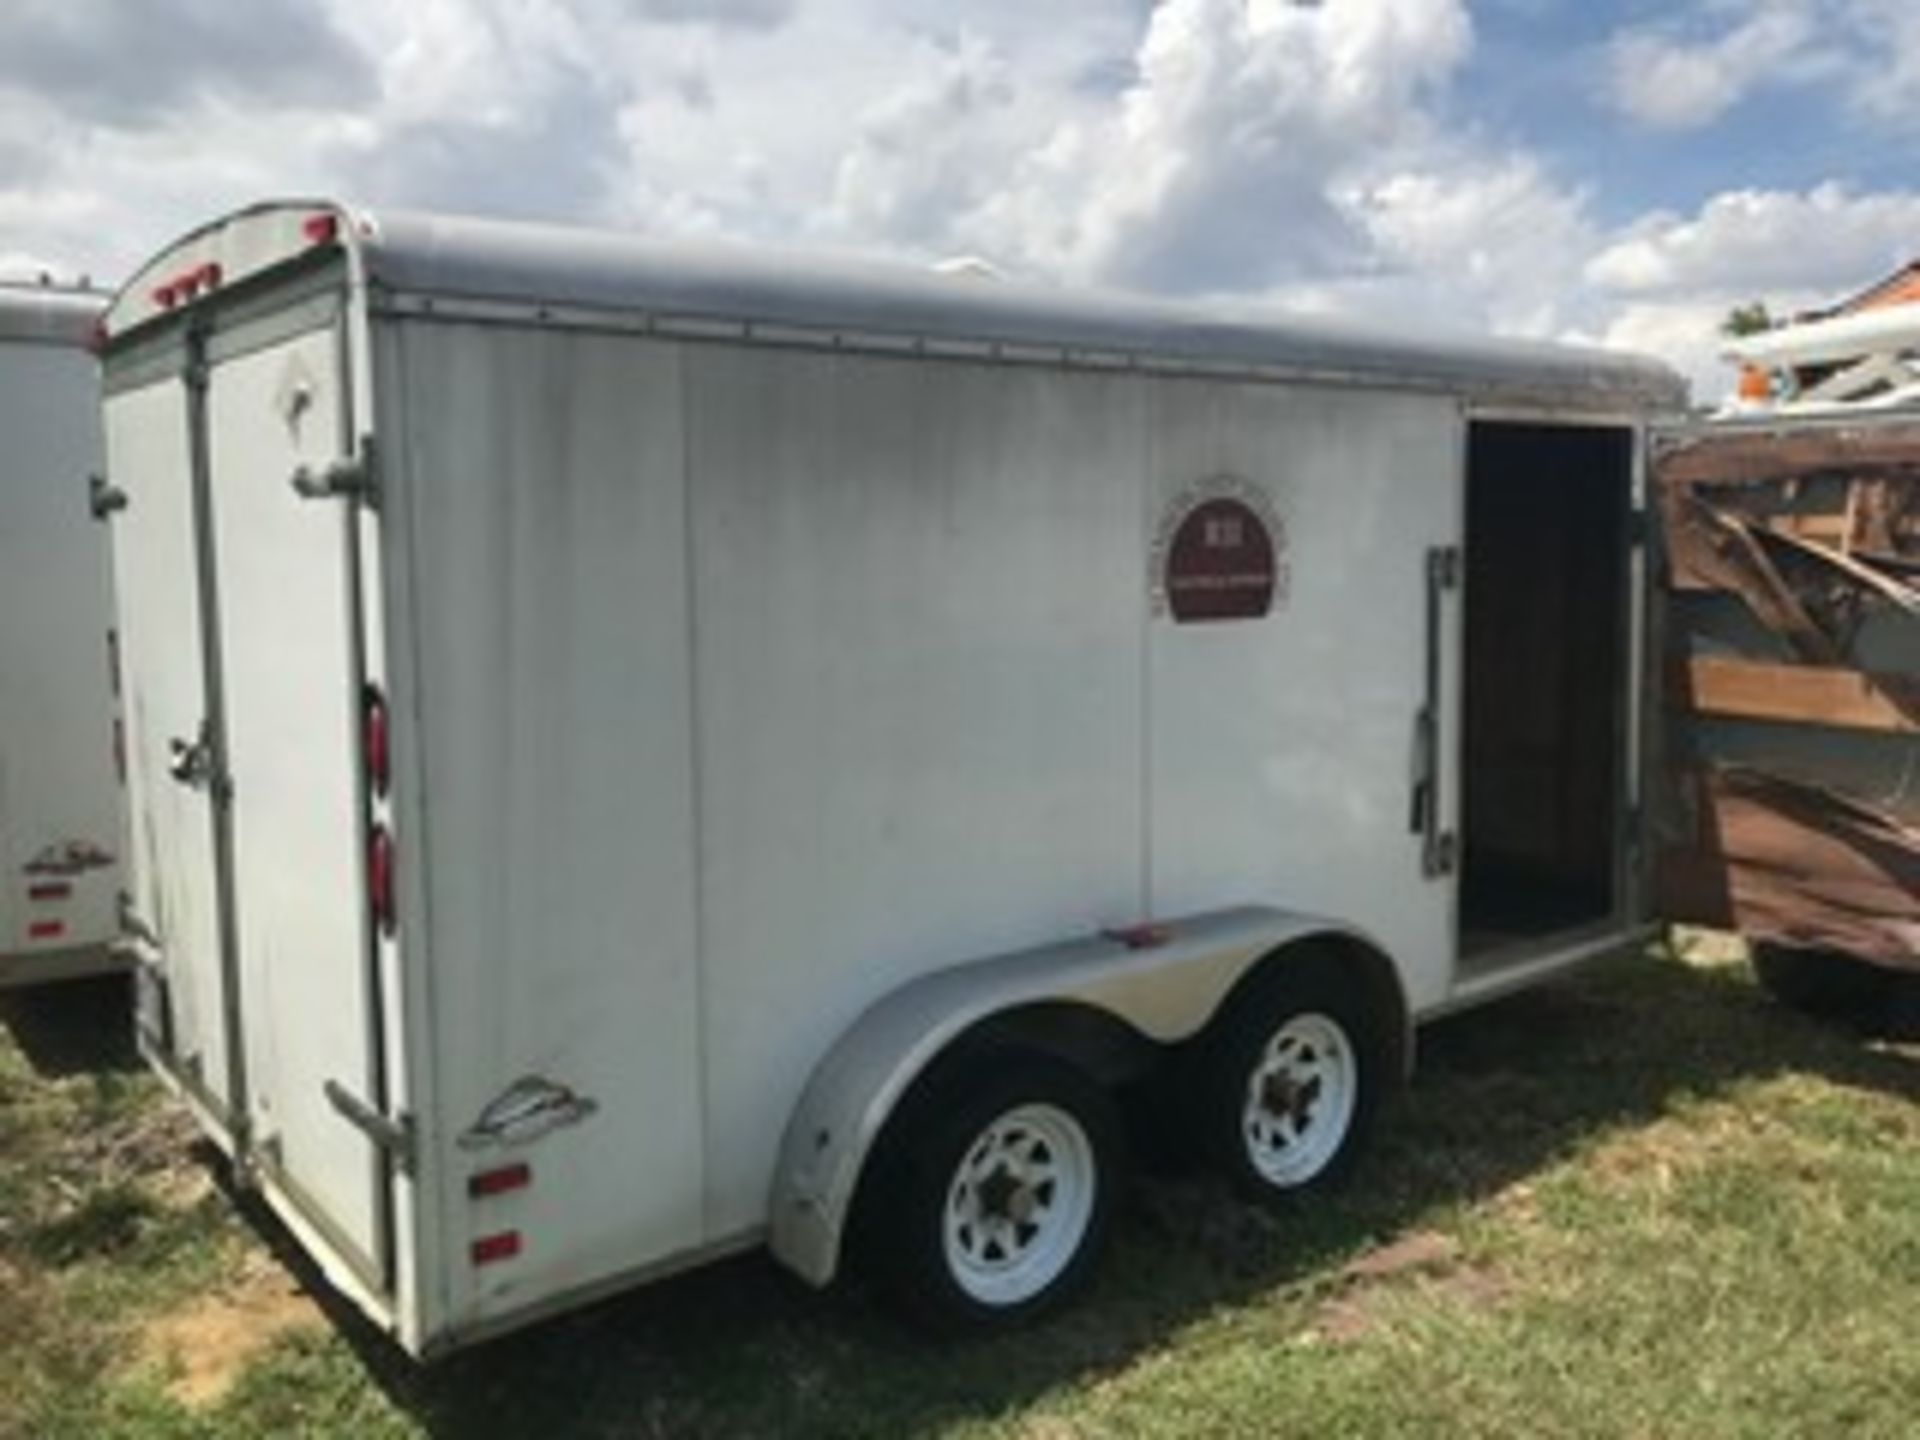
(1019, 1205)
(1299, 1100)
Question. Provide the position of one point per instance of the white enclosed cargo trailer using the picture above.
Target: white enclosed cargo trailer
(59, 794)
(637, 752)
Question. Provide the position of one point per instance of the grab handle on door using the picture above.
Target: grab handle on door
(1438, 846)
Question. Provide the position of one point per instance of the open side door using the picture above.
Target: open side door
(1786, 780)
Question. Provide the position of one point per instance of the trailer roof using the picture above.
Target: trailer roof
(49, 314)
(868, 304)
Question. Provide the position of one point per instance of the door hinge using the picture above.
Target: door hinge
(354, 478)
(104, 499)
(392, 1133)
(1443, 566)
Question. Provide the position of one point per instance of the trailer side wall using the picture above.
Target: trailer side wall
(59, 802)
(751, 683)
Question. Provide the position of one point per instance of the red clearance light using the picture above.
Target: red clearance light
(380, 877)
(208, 275)
(491, 1248)
(164, 297)
(321, 229)
(500, 1180)
(1145, 936)
(376, 740)
(50, 890)
(46, 929)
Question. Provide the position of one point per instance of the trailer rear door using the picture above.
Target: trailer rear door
(174, 900)
(1789, 776)
(288, 621)
(243, 659)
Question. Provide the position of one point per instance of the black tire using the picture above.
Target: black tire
(904, 1249)
(1823, 982)
(1314, 1003)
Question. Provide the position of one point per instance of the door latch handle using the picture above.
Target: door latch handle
(352, 478)
(192, 763)
(103, 499)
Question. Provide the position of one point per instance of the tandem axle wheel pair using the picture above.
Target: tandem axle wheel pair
(990, 1197)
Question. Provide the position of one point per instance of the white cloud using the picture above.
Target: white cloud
(1826, 238)
(717, 12)
(131, 65)
(1483, 236)
(1668, 82)
(1709, 55)
(1885, 85)
(1216, 166)
(1311, 153)
(931, 149)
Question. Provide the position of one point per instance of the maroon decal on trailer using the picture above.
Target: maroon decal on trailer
(1219, 554)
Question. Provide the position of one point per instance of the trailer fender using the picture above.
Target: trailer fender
(1165, 981)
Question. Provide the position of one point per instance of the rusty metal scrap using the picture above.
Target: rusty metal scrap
(1816, 532)
(1797, 864)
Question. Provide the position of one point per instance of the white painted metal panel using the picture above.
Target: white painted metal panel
(292, 724)
(919, 599)
(538, 506)
(1283, 747)
(59, 800)
(171, 875)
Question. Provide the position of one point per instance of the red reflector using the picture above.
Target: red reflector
(380, 877)
(499, 1181)
(50, 890)
(1146, 936)
(490, 1248)
(97, 341)
(321, 229)
(46, 929)
(378, 749)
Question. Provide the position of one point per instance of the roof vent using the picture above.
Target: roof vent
(969, 267)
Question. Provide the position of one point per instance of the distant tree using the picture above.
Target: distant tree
(1748, 319)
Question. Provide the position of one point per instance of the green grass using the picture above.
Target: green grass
(1647, 1202)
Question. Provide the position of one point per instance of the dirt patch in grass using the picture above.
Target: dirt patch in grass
(207, 1344)
(1429, 1260)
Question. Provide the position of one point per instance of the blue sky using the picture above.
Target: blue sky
(1540, 76)
(1620, 172)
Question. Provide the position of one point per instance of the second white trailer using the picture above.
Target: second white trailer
(638, 752)
(59, 794)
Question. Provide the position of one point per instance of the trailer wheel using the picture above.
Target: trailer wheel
(1822, 982)
(1290, 1083)
(991, 1202)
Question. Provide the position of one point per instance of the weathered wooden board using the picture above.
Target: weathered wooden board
(1829, 696)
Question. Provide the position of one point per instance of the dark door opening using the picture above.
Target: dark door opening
(1543, 750)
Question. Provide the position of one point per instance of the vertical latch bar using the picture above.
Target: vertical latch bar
(1438, 846)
